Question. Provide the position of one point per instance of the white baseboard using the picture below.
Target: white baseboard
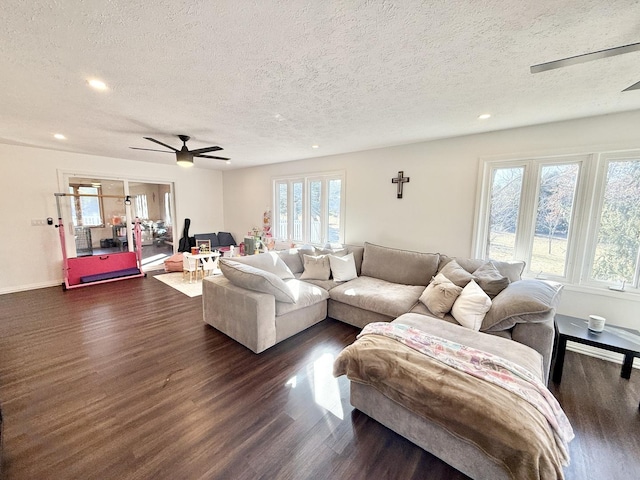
(599, 353)
(32, 286)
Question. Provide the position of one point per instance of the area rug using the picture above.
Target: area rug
(176, 281)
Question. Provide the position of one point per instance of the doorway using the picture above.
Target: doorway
(102, 221)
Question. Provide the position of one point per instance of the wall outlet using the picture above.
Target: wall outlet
(38, 223)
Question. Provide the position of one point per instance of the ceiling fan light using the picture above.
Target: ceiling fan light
(184, 162)
(184, 159)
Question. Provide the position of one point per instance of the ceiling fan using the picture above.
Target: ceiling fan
(587, 57)
(184, 156)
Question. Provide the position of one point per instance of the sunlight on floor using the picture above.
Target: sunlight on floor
(154, 262)
(325, 389)
(326, 392)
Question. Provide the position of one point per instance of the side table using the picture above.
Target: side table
(615, 339)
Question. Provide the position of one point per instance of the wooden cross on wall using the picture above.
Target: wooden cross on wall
(400, 180)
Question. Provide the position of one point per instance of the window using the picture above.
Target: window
(574, 219)
(142, 208)
(615, 252)
(86, 211)
(309, 209)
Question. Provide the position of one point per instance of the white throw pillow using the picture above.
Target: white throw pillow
(343, 268)
(471, 306)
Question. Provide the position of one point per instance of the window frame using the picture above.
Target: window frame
(529, 197)
(593, 226)
(306, 180)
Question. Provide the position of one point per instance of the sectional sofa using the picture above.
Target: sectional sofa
(264, 299)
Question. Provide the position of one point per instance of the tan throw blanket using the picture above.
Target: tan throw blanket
(507, 428)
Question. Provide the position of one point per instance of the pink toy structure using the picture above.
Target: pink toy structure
(85, 271)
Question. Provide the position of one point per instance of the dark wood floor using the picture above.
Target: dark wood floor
(125, 381)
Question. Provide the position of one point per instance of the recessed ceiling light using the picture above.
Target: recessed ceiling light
(484, 116)
(228, 162)
(315, 146)
(59, 136)
(97, 84)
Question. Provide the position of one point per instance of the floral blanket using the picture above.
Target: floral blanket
(484, 399)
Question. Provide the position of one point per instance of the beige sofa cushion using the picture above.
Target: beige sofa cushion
(376, 295)
(512, 270)
(456, 274)
(305, 295)
(525, 301)
(292, 259)
(256, 279)
(399, 266)
(269, 261)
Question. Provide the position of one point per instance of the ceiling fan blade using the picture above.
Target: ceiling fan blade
(205, 150)
(160, 143)
(211, 156)
(635, 86)
(151, 150)
(587, 57)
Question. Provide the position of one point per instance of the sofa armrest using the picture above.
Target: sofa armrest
(540, 336)
(244, 315)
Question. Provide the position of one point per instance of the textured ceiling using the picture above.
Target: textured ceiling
(267, 79)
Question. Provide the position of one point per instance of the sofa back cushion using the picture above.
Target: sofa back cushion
(399, 266)
(212, 237)
(512, 270)
(292, 259)
(358, 252)
(524, 301)
(256, 279)
(269, 261)
(225, 239)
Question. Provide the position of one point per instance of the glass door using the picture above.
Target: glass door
(100, 221)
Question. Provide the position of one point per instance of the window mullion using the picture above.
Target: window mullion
(324, 209)
(526, 216)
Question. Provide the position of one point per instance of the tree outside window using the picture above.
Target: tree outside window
(617, 253)
(572, 218)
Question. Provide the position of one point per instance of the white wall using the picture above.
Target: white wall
(31, 256)
(437, 213)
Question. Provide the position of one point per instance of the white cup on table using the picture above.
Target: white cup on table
(596, 323)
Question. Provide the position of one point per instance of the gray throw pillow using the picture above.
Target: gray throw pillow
(528, 300)
(316, 268)
(490, 280)
(255, 279)
(456, 274)
(512, 270)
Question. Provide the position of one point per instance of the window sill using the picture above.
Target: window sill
(631, 294)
